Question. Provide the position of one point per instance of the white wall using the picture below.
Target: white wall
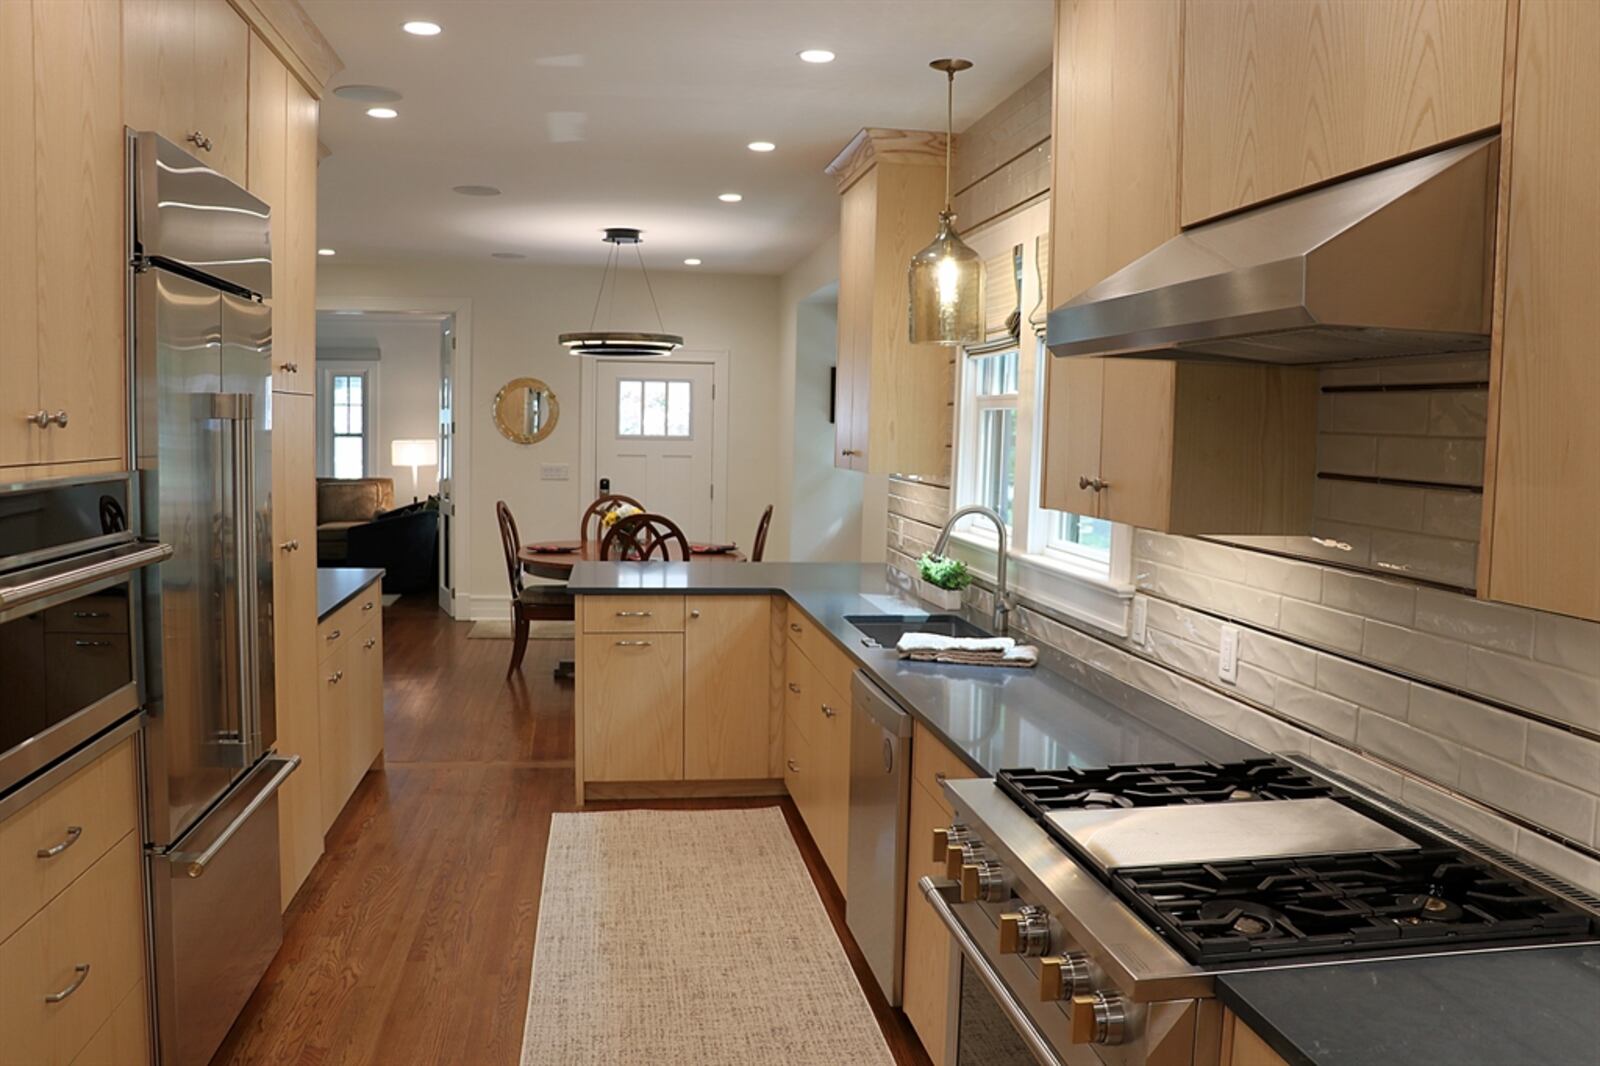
(516, 311)
(407, 401)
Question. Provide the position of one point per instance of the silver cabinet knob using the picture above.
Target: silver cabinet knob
(794, 688)
(290, 545)
(1086, 482)
(44, 419)
(60, 419)
(289, 368)
(694, 612)
(827, 711)
(794, 767)
(199, 140)
(336, 677)
(371, 643)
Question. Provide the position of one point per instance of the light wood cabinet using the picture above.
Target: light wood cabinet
(61, 262)
(294, 308)
(88, 942)
(350, 702)
(727, 681)
(186, 76)
(294, 610)
(1280, 96)
(892, 397)
(333, 733)
(633, 704)
(817, 737)
(124, 1039)
(1242, 1047)
(1541, 537)
(1186, 447)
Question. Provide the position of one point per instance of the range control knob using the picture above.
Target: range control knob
(1099, 1018)
(956, 856)
(944, 838)
(984, 881)
(1064, 976)
(1025, 931)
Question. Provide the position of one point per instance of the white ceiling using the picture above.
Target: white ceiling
(594, 113)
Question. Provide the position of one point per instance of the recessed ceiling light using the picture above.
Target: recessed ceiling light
(475, 190)
(730, 197)
(367, 94)
(691, 262)
(817, 55)
(508, 255)
(383, 112)
(761, 146)
(421, 28)
(326, 251)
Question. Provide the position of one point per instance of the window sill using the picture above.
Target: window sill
(1053, 583)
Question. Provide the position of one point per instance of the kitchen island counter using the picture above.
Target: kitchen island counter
(338, 585)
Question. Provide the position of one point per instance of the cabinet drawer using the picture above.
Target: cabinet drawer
(799, 684)
(75, 822)
(932, 763)
(633, 614)
(85, 951)
(830, 660)
(124, 1040)
(801, 775)
(340, 626)
(105, 613)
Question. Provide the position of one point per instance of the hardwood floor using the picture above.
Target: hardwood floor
(411, 941)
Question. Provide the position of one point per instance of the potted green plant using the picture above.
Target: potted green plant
(943, 578)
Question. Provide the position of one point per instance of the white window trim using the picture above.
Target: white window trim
(328, 369)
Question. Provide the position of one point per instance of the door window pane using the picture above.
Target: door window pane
(654, 408)
(678, 408)
(630, 408)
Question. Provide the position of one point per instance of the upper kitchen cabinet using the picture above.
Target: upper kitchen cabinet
(1541, 538)
(892, 397)
(186, 76)
(1281, 96)
(62, 368)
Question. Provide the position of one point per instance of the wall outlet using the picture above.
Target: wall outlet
(1141, 617)
(1228, 655)
(554, 472)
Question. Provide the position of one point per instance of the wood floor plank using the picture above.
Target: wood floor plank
(410, 943)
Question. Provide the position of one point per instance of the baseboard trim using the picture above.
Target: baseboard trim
(642, 790)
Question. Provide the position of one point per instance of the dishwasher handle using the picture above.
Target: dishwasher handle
(867, 698)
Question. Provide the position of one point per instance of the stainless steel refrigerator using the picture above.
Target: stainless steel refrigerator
(200, 267)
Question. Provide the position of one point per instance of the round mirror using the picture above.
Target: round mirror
(526, 410)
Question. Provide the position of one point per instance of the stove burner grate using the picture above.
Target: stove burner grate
(1157, 785)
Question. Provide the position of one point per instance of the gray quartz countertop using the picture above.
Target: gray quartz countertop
(338, 585)
(991, 717)
(1522, 1006)
(1496, 1008)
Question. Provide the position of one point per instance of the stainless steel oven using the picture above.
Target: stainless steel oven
(69, 619)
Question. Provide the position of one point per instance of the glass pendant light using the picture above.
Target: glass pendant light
(946, 277)
(616, 343)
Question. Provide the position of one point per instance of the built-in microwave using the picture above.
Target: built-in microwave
(69, 617)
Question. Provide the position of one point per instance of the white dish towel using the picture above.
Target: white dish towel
(966, 651)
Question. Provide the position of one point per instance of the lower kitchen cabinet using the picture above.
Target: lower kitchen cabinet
(819, 714)
(1242, 1047)
(350, 699)
(124, 1039)
(678, 690)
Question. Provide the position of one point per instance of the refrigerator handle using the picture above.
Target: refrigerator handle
(237, 410)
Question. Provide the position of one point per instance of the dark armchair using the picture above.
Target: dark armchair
(404, 542)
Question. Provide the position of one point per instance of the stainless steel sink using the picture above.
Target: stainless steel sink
(886, 629)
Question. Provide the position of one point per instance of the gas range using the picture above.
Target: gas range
(1106, 900)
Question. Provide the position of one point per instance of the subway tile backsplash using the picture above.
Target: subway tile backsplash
(1476, 713)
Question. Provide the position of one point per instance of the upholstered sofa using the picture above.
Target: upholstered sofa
(346, 502)
(404, 543)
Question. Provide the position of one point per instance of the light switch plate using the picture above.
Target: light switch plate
(1228, 655)
(1140, 619)
(554, 472)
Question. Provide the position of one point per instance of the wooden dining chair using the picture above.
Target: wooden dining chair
(639, 537)
(759, 549)
(529, 603)
(594, 515)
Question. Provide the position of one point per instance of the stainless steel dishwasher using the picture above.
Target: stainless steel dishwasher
(880, 780)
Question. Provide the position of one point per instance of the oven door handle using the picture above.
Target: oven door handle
(117, 561)
(1003, 998)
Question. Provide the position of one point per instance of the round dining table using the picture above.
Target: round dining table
(555, 558)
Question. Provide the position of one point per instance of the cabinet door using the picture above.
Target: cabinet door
(1542, 524)
(926, 998)
(1279, 96)
(1242, 1047)
(294, 606)
(1116, 193)
(366, 697)
(632, 706)
(19, 357)
(830, 746)
(222, 84)
(158, 74)
(853, 379)
(333, 715)
(1136, 442)
(124, 1040)
(727, 667)
(294, 308)
(79, 214)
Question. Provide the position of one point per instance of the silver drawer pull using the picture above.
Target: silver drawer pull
(939, 776)
(289, 368)
(91, 614)
(633, 614)
(336, 634)
(367, 606)
(80, 974)
(795, 626)
(633, 643)
(828, 712)
(338, 676)
(794, 688)
(91, 644)
(371, 642)
(73, 833)
(794, 767)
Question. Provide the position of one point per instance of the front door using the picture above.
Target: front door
(653, 438)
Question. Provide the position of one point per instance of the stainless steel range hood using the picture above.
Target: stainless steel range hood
(1392, 263)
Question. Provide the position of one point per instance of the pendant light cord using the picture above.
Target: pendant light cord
(594, 316)
(649, 288)
(613, 272)
(949, 136)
